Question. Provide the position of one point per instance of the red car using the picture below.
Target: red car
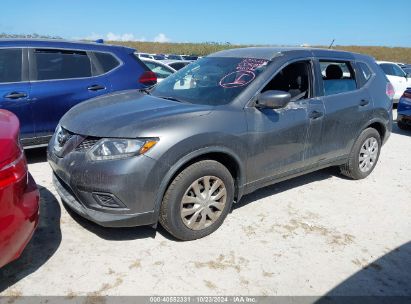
(19, 196)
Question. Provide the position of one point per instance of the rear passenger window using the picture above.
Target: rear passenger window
(107, 61)
(10, 65)
(61, 64)
(365, 71)
(338, 77)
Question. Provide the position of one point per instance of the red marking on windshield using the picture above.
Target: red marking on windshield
(241, 78)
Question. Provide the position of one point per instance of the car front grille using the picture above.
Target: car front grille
(87, 144)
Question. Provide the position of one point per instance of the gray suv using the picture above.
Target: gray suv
(224, 126)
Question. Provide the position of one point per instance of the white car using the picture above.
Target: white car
(398, 78)
(159, 68)
(176, 64)
(144, 55)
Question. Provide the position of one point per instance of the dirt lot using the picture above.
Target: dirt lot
(311, 235)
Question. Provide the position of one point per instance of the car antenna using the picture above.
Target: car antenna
(331, 45)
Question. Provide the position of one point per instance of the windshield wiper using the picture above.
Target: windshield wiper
(147, 90)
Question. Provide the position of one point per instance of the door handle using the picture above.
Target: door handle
(96, 87)
(15, 95)
(364, 102)
(315, 114)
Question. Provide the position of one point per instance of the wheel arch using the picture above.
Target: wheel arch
(380, 127)
(221, 154)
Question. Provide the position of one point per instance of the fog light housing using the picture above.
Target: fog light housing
(108, 200)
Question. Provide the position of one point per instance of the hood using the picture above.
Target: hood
(127, 114)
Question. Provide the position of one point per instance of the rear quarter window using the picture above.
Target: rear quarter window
(365, 71)
(107, 62)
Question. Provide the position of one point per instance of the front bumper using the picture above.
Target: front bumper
(100, 217)
(130, 185)
(18, 225)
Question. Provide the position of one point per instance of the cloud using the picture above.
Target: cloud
(114, 37)
(161, 38)
(125, 37)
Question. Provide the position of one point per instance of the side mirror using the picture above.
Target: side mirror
(273, 99)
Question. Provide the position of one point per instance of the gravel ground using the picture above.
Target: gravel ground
(313, 235)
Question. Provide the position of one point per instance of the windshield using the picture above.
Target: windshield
(211, 80)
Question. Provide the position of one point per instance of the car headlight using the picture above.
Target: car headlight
(116, 148)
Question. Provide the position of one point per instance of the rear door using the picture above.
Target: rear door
(346, 103)
(60, 79)
(15, 87)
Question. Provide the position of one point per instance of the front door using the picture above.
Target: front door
(278, 137)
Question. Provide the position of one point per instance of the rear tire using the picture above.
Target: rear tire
(364, 155)
(197, 200)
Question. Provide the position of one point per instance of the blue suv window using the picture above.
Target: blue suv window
(10, 65)
(338, 77)
(61, 64)
(107, 62)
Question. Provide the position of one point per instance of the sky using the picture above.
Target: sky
(267, 22)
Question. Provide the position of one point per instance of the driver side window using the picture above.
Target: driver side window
(295, 79)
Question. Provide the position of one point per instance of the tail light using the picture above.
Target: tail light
(14, 171)
(148, 78)
(389, 90)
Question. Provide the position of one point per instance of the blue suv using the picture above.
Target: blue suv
(40, 80)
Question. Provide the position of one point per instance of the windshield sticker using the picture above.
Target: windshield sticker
(243, 74)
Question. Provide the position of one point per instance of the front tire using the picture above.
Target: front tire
(197, 200)
(364, 155)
